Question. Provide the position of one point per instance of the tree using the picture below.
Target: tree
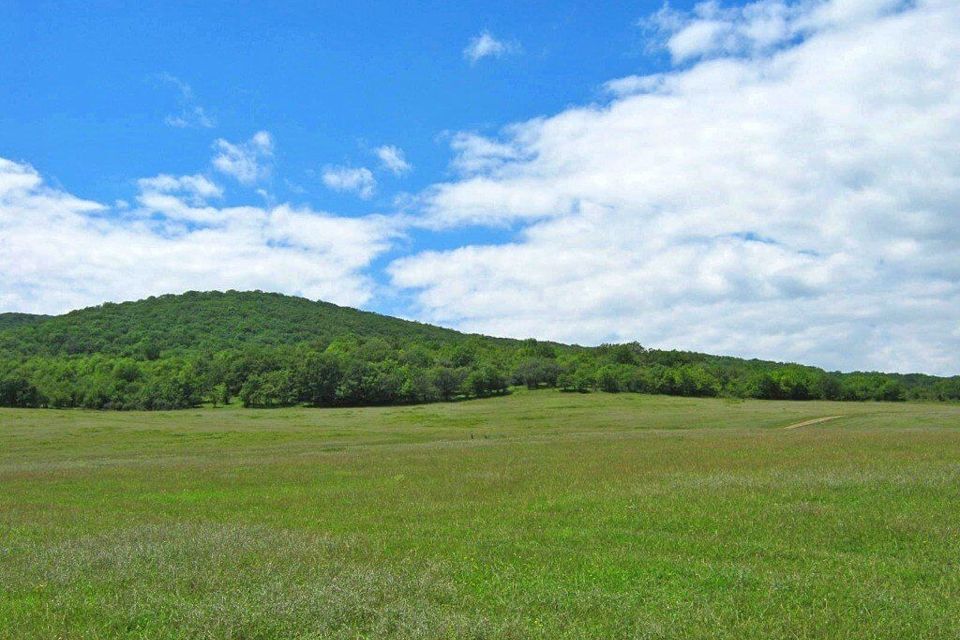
(485, 381)
(630, 353)
(18, 392)
(220, 395)
(464, 355)
(533, 372)
(268, 390)
(583, 379)
(890, 391)
(608, 379)
(534, 349)
(317, 378)
(447, 381)
(417, 386)
(127, 371)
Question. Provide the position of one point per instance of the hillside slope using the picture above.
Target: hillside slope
(271, 350)
(202, 321)
(11, 320)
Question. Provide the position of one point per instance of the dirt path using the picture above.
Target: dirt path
(809, 422)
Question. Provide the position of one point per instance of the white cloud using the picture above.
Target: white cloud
(393, 159)
(476, 154)
(249, 161)
(190, 114)
(795, 203)
(16, 178)
(357, 180)
(197, 188)
(59, 252)
(486, 46)
(848, 12)
(711, 29)
(194, 116)
(635, 84)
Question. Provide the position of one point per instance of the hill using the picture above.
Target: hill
(269, 350)
(11, 320)
(205, 321)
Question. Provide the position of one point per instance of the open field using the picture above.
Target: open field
(539, 515)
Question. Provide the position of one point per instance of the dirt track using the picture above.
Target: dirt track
(809, 422)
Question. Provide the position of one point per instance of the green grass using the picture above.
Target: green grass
(540, 515)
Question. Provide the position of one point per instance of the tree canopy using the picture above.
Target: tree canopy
(271, 350)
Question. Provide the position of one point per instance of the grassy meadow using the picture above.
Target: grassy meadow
(538, 515)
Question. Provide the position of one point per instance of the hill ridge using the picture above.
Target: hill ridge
(273, 349)
(286, 319)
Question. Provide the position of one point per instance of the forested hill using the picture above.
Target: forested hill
(202, 322)
(10, 320)
(269, 350)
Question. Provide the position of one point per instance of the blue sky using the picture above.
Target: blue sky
(775, 178)
(89, 85)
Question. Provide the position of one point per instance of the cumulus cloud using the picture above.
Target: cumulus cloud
(474, 153)
(249, 161)
(711, 29)
(393, 160)
(797, 202)
(60, 252)
(196, 188)
(191, 114)
(358, 180)
(485, 45)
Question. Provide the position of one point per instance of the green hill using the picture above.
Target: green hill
(270, 350)
(11, 320)
(205, 321)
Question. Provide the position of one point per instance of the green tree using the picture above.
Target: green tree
(318, 376)
(268, 390)
(447, 381)
(486, 381)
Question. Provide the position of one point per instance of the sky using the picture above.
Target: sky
(775, 179)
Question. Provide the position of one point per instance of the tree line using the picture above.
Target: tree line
(352, 370)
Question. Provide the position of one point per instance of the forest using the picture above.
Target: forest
(271, 350)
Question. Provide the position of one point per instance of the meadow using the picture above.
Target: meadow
(537, 515)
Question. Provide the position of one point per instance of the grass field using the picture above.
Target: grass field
(539, 515)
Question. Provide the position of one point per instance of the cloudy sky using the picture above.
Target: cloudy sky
(776, 179)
